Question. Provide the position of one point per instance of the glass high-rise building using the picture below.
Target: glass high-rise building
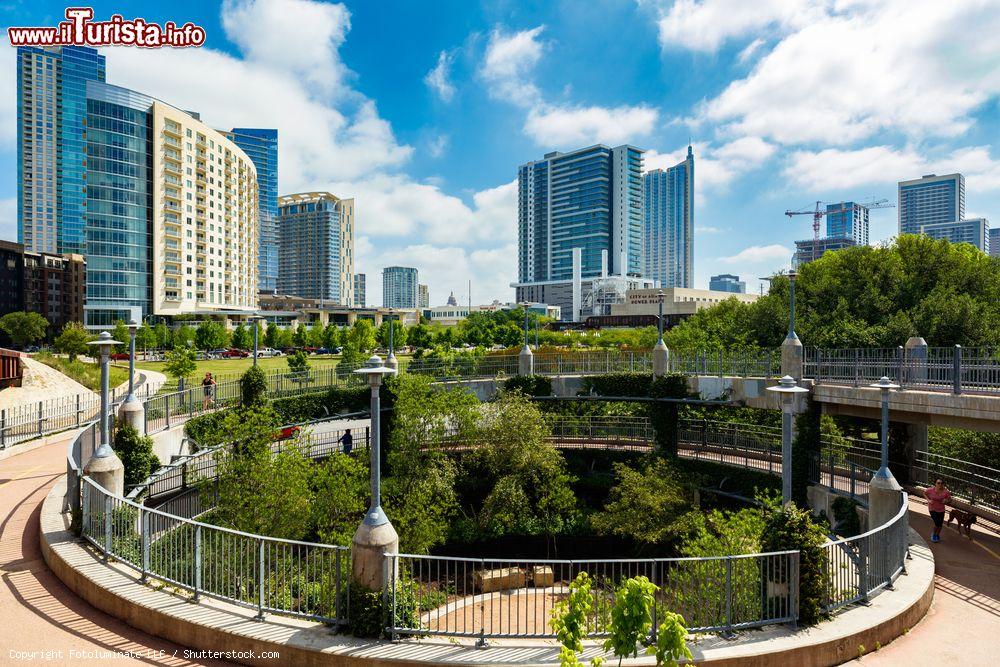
(849, 221)
(727, 282)
(930, 200)
(975, 231)
(400, 287)
(669, 224)
(995, 242)
(262, 147)
(316, 247)
(360, 290)
(589, 199)
(51, 150)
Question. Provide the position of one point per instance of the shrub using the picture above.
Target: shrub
(530, 385)
(136, 454)
(253, 387)
(368, 613)
(845, 515)
(644, 504)
(805, 453)
(791, 528)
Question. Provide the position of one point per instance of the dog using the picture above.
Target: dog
(963, 519)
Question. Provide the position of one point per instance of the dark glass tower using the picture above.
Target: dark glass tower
(261, 145)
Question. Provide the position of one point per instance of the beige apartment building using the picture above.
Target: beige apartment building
(676, 300)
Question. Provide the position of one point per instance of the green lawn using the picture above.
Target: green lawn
(87, 374)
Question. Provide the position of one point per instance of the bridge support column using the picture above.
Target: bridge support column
(915, 371)
(916, 453)
(661, 359)
(791, 357)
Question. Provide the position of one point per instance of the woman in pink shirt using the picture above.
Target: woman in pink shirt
(937, 496)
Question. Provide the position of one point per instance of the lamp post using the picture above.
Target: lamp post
(525, 360)
(133, 329)
(391, 361)
(884, 385)
(788, 390)
(791, 347)
(132, 412)
(104, 466)
(661, 355)
(884, 492)
(255, 323)
(375, 536)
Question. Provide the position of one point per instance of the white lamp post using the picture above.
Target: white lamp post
(391, 361)
(375, 536)
(791, 347)
(661, 355)
(255, 323)
(132, 412)
(525, 359)
(884, 492)
(789, 392)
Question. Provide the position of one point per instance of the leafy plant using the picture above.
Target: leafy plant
(253, 387)
(845, 514)
(631, 617)
(568, 620)
(136, 454)
(72, 340)
(23, 327)
(791, 528)
(180, 363)
(671, 640)
(531, 385)
(644, 505)
(298, 363)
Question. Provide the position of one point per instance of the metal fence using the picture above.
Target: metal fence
(28, 421)
(857, 567)
(622, 432)
(496, 598)
(267, 574)
(726, 363)
(955, 369)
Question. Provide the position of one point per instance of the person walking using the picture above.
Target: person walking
(208, 385)
(937, 496)
(347, 440)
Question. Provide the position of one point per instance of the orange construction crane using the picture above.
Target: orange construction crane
(819, 212)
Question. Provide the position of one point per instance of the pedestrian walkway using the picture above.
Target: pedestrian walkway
(42, 621)
(963, 624)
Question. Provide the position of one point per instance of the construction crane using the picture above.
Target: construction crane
(820, 211)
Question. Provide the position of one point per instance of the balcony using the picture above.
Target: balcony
(172, 128)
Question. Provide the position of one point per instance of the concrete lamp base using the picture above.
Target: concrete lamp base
(525, 362)
(884, 498)
(791, 358)
(368, 563)
(131, 412)
(661, 359)
(107, 471)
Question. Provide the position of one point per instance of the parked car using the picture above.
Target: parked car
(268, 352)
(120, 356)
(287, 433)
(323, 350)
(234, 353)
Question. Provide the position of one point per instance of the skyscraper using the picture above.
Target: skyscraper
(850, 221)
(399, 287)
(580, 219)
(51, 150)
(930, 200)
(423, 296)
(669, 224)
(262, 147)
(727, 282)
(975, 231)
(316, 247)
(360, 290)
(995, 242)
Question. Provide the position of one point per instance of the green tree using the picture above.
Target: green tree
(420, 336)
(271, 336)
(362, 335)
(791, 528)
(631, 617)
(350, 360)
(182, 335)
(341, 491)
(253, 387)
(301, 336)
(331, 337)
(121, 334)
(164, 338)
(569, 619)
(211, 335)
(298, 363)
(72, 340)
(314, 337)
(644, 505)
(180, 364)
(145, 337)
(136, 454)
(24, 328)
(398, 334)
(242, 337)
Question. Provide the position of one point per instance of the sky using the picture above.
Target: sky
(422, 111)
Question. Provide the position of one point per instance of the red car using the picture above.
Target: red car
(119, 356)
(287, 433)
(233, 353)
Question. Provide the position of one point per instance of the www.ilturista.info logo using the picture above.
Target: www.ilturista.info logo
(79, 29)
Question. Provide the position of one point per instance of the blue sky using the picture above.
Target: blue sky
(422, 111)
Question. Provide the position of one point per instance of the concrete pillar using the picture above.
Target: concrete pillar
(791, 358)
(107, 471)
(661, 359)
(369, 566)
(916, 452)
(132, 412)
(915, 371)
(884, 498)
(392, 362)
(525, 362)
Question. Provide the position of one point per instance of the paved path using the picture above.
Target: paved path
(963, 624)
(37, 612)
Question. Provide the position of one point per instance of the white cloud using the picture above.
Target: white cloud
(917, 67)
(297, 36)
(699, 229)
(8, 101)
(508, 64)
(8, 219)
(704, 25)
(438, 78)
(758, 254)
(566, 126)
(716, 166)
(833, 168)
(747, 53)
(437, 145)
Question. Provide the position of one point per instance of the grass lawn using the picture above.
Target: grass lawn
(87, 374)
(233, 367)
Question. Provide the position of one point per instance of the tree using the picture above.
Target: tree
(242, 337)
(182, 335)
(643, 505)
(121, 334)
(398, 334)
(145, 337)
(314, 337)
(298, 364)
(791, 528)
(271, 336)
(211, 335)
(420, 336)
(164, 338)
(73, 340)
(24, 328)
(136, 454)
(331, 337)
(362, 335)
(253, 387)
(180, 364)
(301, 336)
(341, 490)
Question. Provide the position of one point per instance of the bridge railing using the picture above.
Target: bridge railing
(955, 369)
(726, 363)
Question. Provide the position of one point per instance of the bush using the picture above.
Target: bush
(792, 528)
(368, 613)
(336, 400)
(136, 454)
(845, 515)
(253, 386)
(805, 453)
(530, 385)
